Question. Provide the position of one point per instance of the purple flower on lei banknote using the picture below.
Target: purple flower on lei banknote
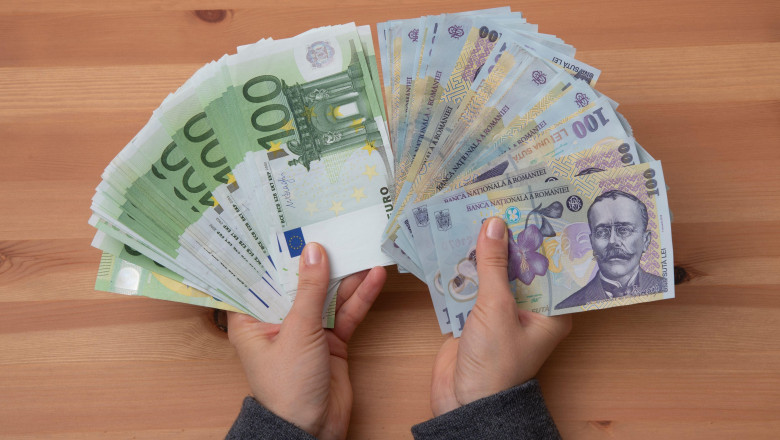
(524, 262)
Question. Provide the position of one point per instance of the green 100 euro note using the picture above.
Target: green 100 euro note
(309, 121)
(258, 153)
(120, 276)
(594, 241)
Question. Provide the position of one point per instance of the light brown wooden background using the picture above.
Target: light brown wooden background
(699, 82)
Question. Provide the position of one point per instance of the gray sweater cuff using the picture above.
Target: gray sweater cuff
(257, 423)
(518, 413)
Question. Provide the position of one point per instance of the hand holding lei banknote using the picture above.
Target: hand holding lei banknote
(501, 346)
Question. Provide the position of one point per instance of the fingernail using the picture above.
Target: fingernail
(496, 229)
(312, 254)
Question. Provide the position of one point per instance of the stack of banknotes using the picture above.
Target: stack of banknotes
(287, 142)
(280, 144)
(489, 118)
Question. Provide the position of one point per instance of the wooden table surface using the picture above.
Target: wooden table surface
(699, 82)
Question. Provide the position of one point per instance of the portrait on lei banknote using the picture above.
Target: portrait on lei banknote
(618, 236)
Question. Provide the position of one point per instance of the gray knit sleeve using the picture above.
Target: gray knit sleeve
(257, 423)
(518, 413)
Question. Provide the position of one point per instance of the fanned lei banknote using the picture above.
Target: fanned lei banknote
(476, 115)
(491, 118)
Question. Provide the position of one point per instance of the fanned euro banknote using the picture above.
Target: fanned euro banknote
(258, 153)
(291, 141)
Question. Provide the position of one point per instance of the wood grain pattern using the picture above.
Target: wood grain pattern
(699, 82)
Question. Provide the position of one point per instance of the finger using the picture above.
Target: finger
(242, 328)
(492, 265)
(347, 287)
(313, 277)
(442, 381)
(445, 358)
(354, 310)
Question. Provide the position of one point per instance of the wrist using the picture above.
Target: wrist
(259, 422)
(488, 383)
(520, 410)
(287, 411)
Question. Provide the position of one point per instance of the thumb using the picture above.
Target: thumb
(492, 250)
(313, 278)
